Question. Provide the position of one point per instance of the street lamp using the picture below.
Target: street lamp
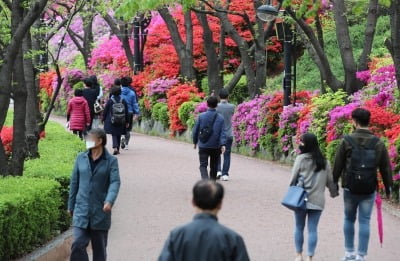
(268, 13)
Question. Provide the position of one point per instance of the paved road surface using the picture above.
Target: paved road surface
(157, 177)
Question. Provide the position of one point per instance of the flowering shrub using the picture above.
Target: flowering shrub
(176, 97)
(6, 134)
(159, 113)
(288, 125)
(160, 86)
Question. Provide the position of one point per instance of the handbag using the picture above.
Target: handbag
(296, 197)
(98, 107)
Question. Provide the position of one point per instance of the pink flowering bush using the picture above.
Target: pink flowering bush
(288, 124)
(160, 86)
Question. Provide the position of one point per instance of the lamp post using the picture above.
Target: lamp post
(140, 23)
(268, 13)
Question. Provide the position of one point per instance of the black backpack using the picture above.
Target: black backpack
(118, 112)
(361, 176)
(206, 131)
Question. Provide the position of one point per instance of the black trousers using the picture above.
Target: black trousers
(205, 155)
(116, 142)
(82, 237)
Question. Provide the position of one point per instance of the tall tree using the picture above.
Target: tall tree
(393, 44)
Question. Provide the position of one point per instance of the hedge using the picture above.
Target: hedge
(29, 214)
(58, 152)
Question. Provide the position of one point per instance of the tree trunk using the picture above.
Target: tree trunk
(32, 102)
(19, 94)
(351, 83)
(213, 70)
(184, 53)
(372, 19)
(123, 37)
(394, 43)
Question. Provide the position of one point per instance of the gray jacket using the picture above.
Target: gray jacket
(90, 190)
(314, 183)
(227, 110)
(204, 239)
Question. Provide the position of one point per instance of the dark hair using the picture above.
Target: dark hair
(94, 80)
(361, 116)
(207, 194)
(116, 90)
(100, 134)
(117, 82)
(311, 146)
(223, 94)
(78, 92)
(130, 80)
(125, 81)
(212, 102)
(88, 82)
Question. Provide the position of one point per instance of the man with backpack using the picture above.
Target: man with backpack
(209, 134)
(357, 161)
(133, 108)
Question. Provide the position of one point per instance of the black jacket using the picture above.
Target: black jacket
(343, 156)
(91, 96)
(204, 239)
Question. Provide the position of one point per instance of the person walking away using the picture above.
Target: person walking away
(115, 118)
(227, 110)
(93, 191)
(204, 238)
(90, 95)
(78, 114)
(99, 91)
(209, 135)
(313, 171)
(357, 160)
(133, 108)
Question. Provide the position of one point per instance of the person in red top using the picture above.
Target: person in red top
(78, 114)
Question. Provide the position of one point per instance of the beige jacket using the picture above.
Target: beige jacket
(315, 186)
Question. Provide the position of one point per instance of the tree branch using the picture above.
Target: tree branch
(7, 3)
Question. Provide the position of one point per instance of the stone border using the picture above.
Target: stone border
(57, 249)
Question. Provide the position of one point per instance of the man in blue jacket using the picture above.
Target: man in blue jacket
(209, 134)
(133, 108)
(94, 188)
(204, 238)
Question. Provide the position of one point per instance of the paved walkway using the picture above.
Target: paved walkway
(157, 177)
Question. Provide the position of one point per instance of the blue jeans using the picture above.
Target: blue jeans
(227, 157)
(312, 226)
(364, 205)
(82, 237)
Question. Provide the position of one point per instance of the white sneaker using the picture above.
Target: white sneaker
(360, 258)
(126, 147)
(225, 178)
(349, 258)
(219, 174)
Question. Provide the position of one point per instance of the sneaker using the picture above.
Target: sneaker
(349, 258)
(360, 258)
(225, 178)
(126, 147)
(299, 258)
(219, 174)
(123, 143)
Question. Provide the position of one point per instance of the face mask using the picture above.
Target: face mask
(90, 144)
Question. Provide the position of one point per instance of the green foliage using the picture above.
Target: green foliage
(58, 152)
(239, 94)
(331, 150)
(268, 143)
(159, 113)
(29, 214)
(322, 105)
(145, 112)
(9, 118)
(186, 111)
(78, 63)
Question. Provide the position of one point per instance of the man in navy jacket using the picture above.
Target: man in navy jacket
(204, 238)
(215, 144)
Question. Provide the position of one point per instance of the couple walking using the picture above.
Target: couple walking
(358, 157)
(213, 135)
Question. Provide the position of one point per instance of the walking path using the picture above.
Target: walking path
(157, 177)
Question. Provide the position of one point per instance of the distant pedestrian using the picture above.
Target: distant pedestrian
(115, 118)
(90, 94)
(97, 107)
(133, 108)
(209, 134)
(358, 158)
(313, 171)
(204, 239)
(78, 114)
(227, 110)
(94, 188)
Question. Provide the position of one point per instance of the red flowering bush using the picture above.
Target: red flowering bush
(176, 97)
(7, 137)
(381, 119)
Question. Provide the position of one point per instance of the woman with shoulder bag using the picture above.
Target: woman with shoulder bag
(314, 171)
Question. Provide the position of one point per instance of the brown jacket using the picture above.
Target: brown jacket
(343, 155)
